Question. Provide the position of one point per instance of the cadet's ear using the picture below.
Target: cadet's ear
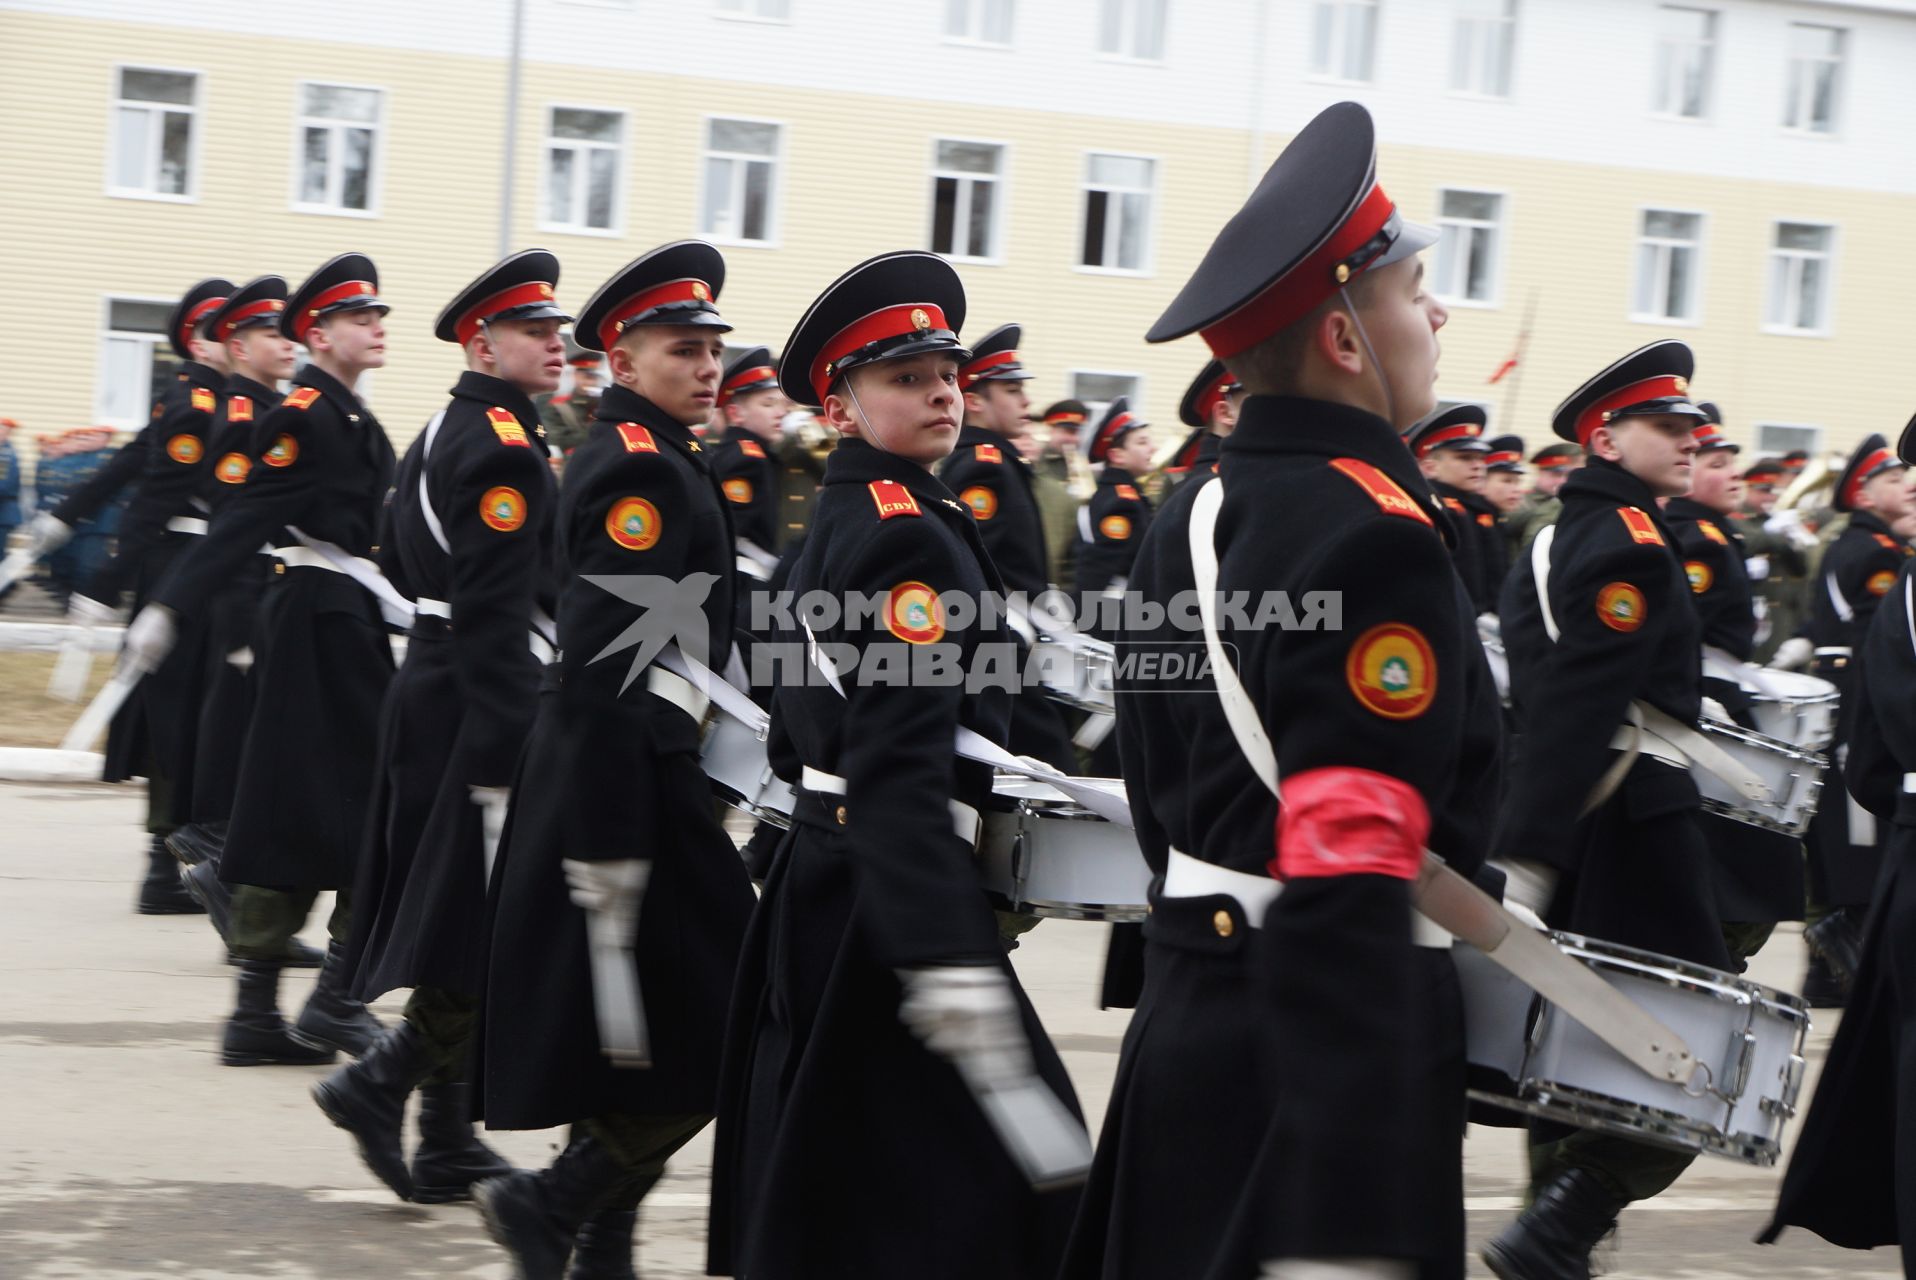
(1335, 338)
(837, 410)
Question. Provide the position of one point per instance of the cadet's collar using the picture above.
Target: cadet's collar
(737, 434)
(487, 390)
(202, 375)
(1872, 523)
(1114, 475)
(972, 433)
(856, 462)
(1208, 449)
(1611, 483)
(1691, 509)
(240, 385)
(327, 385)
(621, 403)
(1292, 424)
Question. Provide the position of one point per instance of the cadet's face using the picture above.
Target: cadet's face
(352, 339)
(1712, 479)
(1888, 495)
(759, 412)
(675, 366)
(266, 351)
(1458, 468)
(907, 406)
(1551, 480)
(529, 354)
(999, 407)
(1655, 448)
(1760, 495)
(585, 380)
(1402, 320)
(1134, 452)
(1504, 490)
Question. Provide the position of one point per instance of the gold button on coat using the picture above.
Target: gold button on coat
(1223, 923)
(840, 815)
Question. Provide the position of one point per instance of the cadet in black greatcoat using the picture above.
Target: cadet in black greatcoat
(316, 495)
(614, 876)
(1111, 525)
(1290, 1097)
(742, 459)
(468, 537)
(1451, 451)
(874, 996)
(1615, 639)
(1210, 408)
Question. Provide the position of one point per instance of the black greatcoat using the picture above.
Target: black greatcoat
(1758, 874)
(460, 707)
(1636, 870)
(611, 771)
(739, 456)
(1852, 1177)
(1110, 527)
(299, 812)
(1482, 556)
(1855, 574)
(845, 1147)
(1295, 1090)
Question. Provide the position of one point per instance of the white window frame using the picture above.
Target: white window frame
(1513, 22)
(775, 196)
(376, 171)
(1828, 326)
(1711, 46)
(1340, 40)
(1003, 183)
(730, 15)
(1128, 35)
(1149, 266)
(972, 39)
(620, 153)
(1812, 449)
(1844, 53)
(107, 333)
(196, 110)
(1697, 278)
(1497, 253)
(1096, 408)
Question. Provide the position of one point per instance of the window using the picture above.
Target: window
(1117, 212)
(763, 10)
(1816, 73)
(1467, 256)
(1343, 38)
(582, 169)
(338, 147)
(978, 21)
(1132, 29)
(741, 180)
(1686, 61)
(966, 182)
(1669, 254)
(1098, 390)
(136, 361)
(1484, 46)
(153, 120)
(1780, 438)
(1802, 260)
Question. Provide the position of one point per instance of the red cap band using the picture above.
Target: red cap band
(980, 367)
(891, 322)
(1101, 447)
(1064, 419)
(1455, 431)
(1297, 292)
(197, 314)
(687, 290)
(1214, 395)
(1503, 456)
(264, 307)
(523, 295)
(1854, 489)
(745, 378)
(338, 293)
(1666, 386)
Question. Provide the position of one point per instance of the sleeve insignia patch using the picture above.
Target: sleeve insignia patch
(1115, 528)
(284, 453)
(989, 453)
(1128, 493)
(739, 490)
(1620, 605)
(1384, 491)
(1486, 520)
(503, 508)
(1713, 533)
(239, 409)
(202, 399)
(1699, 575)
(634, 523)
(637, 439)
(982, 501)
(893, 499)
(507, 428)
(914, 615)
(1642, 528)
(185, 448)
(302, 397)
(751, 448)
(1392, 671)
(1880, 582)
(232, 468)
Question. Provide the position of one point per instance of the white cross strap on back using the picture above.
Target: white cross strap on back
(1440, 894)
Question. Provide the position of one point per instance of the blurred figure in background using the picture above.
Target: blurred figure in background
(67, 462)
(566, 414)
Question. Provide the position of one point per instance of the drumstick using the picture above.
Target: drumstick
(93, 721)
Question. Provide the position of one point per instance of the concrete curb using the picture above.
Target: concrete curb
(47, 637)
(49, 764)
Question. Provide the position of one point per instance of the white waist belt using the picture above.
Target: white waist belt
(297, 557)
(186, 524)
(1833, 651)
(965, 822)
(433, 608)
(542, 649)
(678, 691)
(1649, 744)
(1189, 877)
(752, 569)
(1909, 784)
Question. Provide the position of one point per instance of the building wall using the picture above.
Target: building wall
(864, 89)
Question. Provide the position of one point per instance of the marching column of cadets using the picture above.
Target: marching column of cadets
(581, 943)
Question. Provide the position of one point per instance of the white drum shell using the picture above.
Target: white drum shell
(1793, 774)
(1796, 708)
(735, 760)
(1048, 856)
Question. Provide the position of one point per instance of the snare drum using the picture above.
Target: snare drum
(1794, 776)
(1043, 854)
(1528, 1055)
(734, 758)
(1795, 708)
(1074, 669)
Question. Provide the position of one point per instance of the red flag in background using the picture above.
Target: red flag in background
(1507, 365)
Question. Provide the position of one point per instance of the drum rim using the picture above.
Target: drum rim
(1591, 1110)
(1584, 947)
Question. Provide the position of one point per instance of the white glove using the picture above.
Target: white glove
(46, 535)
(1489, 627)
(149, 638)
(610, 891)
(1529, 885)
(611, 894)
(1714, 710)
(1793, 654)
(1790, 524)
(493, 803)
(967, 1015)
(84, 611)
(1758, 567)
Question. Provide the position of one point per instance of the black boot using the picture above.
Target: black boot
(1839, 942)
(603, 1248)
(161, 893)
(1552, 1239)
(367, 1099)
(203, 884)
(197, 842)
(450, 1157)
(298, 956)
(332, 1019)
(1822, 989)
(256, 1036)
(533, 1216)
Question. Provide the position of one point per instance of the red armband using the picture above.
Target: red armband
(1350, 822)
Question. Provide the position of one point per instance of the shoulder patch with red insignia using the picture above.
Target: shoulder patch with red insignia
(751, 448)
(202, 399)
(185, 448)
(1487, 520)
(637, 439)
(1454, 505)
(1384, 491)
(1884, 541)
(914, 613)
(1713, 533)
(1128, 493)
(302, 397)
(893, 499)
(239, 409)
(1642, 528)
(1880, 582)
(989, 453)
(506, 426)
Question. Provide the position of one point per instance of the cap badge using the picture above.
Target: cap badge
(919, 320)
(1682, 385)
(700, 292)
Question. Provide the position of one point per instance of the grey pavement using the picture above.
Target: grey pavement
(127, 1151)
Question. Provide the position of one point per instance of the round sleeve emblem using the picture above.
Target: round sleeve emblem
(1620, 607)
(233, 468)
(283, 453)
(185, 448)
(1880, 582)
(1392, 671)
(503, 508)
(1699, 575)
(1116, 528)
(738, 489)
(982, 501)
(634, 524)
(913, 614)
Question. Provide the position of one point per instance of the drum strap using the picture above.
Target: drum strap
(1837, 602)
